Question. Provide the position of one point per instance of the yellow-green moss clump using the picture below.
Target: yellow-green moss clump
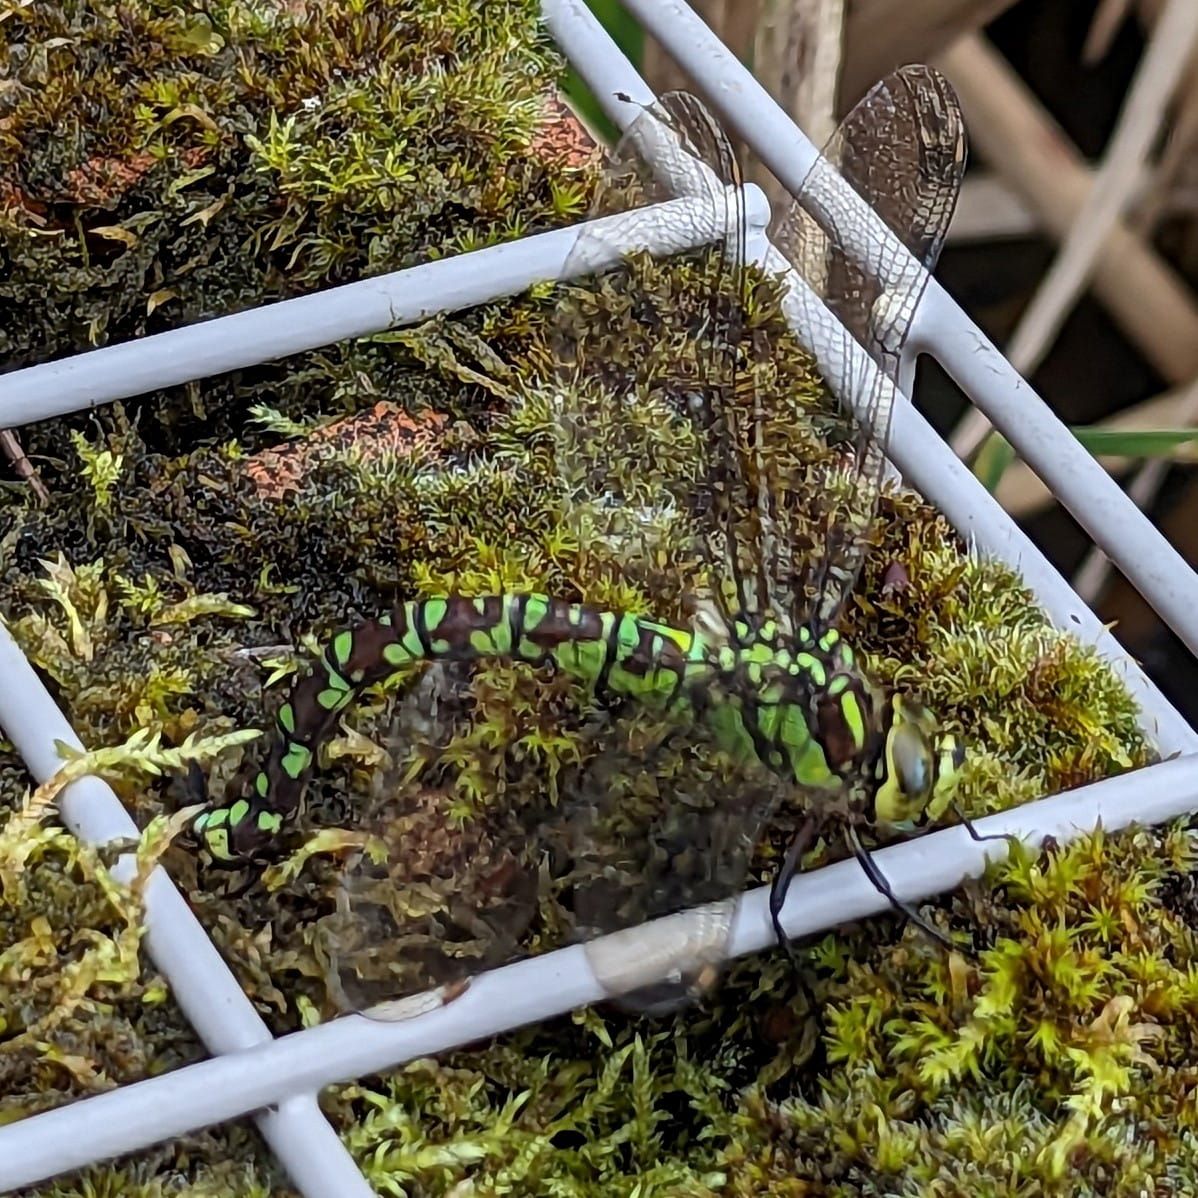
(1064, 1064)
(873, 1067)
(169, 579)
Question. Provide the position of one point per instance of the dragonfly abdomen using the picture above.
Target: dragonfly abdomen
(654, 664)
(623, 654)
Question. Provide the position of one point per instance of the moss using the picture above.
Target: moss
(164, 164)
(231, 1161)
(79, 1015)
(883, 1050)
(168, 582)
(1060, 1066)
(71, 992)
(169, 163)
(1041, 712)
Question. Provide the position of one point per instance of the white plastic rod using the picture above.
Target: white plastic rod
(354, 310)
(544, 987)
(1094, 499)
(610, 75)
(201, 983)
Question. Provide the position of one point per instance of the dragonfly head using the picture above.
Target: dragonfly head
(918, 767)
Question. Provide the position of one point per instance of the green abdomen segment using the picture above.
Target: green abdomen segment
(623, 655)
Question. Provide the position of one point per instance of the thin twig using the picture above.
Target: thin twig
(987, 209)
(1110, 15)
(796, 51)
(22, 466)
(821, 86)
(884, 34)
(1177, 157)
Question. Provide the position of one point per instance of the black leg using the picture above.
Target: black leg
(781, 883)
(874, 874)
(1009, 837)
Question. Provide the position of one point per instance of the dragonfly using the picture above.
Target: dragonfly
(751, 508)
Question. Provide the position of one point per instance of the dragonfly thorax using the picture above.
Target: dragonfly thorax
(809, 711)
(829, 723)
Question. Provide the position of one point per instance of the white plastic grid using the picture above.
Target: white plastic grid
(251, 1071)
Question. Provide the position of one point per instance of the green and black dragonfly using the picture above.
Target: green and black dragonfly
(772, 514)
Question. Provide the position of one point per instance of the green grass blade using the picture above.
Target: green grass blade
(1175, 444)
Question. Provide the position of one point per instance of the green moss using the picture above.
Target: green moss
(1064, 1064)
(1059, 1066)
(873, 1056)
(79, 1015)
(165, 164)
(1041, 712)
(163, 587)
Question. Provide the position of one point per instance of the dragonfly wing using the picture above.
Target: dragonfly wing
(902, 150)
(428, 898)
(652, 819)
(657, 830)
(648, 353)
(659, 834)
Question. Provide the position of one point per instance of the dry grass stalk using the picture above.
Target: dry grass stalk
(1017, 137)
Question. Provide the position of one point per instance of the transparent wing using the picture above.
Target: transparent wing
(662, 824)
(902, 150)
(696, 472)
(644, 360)
(668, 407)
(647, 368)
(652, 419)
(653, 819)
(440, 889)
(693, 452)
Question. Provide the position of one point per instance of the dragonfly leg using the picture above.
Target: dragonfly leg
(781, 884)
(974, 834)
(878, 880)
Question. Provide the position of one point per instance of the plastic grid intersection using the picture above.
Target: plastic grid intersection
(250, 1070)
